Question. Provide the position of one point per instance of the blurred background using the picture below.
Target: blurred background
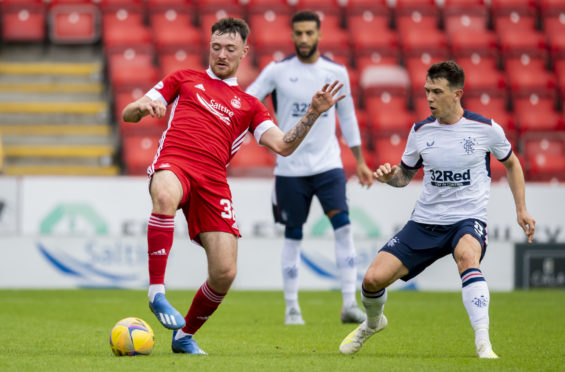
(69, 67)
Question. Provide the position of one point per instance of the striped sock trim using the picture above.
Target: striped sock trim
(376, 294)
(161, 221)
(471, 276)
(211, 294)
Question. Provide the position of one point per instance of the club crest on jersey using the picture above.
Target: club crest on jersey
(236, 102)
(469, 145)
(216, 108)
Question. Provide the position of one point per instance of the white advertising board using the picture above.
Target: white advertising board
(121, 262)
(79, 206)
(8, 205)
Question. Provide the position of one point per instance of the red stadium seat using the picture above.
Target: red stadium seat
(252, 160)
(383, 42)
(422, 15)
(482, 76)
(515, 21)
(421, 108)
(139, 152)
(23, 20)
(550, 8)
(266, 57)
(162, 6)
(366, 8)
(391, 79)
(131, 68)
(172, 31)
(74, 23)
(415, 42)
(279, 7)
(465, 15)
(180, 59)
(495, 108)
(114, 6)
(537, 114)
(515, 43)
(387, 115)
(211, 6)
(548, 144)
(505, 7)
(389, 149)
(545, 167)
(554, 30)
(263, 25)
(473, 42)
(527, 76)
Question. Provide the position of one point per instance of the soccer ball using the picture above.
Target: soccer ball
(132, 336)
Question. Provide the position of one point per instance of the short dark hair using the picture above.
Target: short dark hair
(450, 71)
(231, 25)
(306, 15)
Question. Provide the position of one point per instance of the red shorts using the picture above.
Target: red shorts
(206, 203)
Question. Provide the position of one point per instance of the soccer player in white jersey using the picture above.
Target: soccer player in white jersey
(454, 146)
(315, 168)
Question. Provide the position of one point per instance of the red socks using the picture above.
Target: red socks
(160, 231)
(205, 302)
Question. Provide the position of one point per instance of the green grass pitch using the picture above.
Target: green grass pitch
(68, 330)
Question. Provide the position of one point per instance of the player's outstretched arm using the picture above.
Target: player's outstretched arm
(364, 173)
(144, 106)
(395, 175)
(517, 184)
(285, 143)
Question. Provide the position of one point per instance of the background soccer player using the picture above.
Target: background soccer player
(210, 116)
(315, 168)
(454, 147)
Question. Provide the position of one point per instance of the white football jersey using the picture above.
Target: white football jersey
(292, 85)
(456, 161)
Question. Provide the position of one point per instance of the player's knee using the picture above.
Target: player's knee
(164, 201)
(340, 219)
(373, 282)
(468, 252)
(293, 233)
(222, 279)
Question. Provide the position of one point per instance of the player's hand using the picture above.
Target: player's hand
(364, 174)
(325, 98)
(527, 223)
(384, 172)
(154, 108)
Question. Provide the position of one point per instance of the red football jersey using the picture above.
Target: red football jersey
(208, 121)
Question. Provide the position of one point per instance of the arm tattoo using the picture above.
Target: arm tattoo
(402, 176)
(301, 129)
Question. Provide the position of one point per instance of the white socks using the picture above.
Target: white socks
(476, 300)
(345, 259)
(290, 261)
(154, 289)
(374, 303)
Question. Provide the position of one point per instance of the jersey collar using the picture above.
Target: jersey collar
(230, 81)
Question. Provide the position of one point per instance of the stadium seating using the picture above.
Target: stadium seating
(537, 114)
(482, 76)
(527, 76)
(515, 43)
(180, 59)
(139, 152)
(73, 23)
(252, 160)
(465, 16)
(23, 20)
(495, 108)
(464, 43)
(545, 167)
(173, 30)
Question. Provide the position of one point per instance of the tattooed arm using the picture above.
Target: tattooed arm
(397, 175)
(285, 143)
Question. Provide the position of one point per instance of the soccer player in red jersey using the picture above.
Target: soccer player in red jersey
(210, 116)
